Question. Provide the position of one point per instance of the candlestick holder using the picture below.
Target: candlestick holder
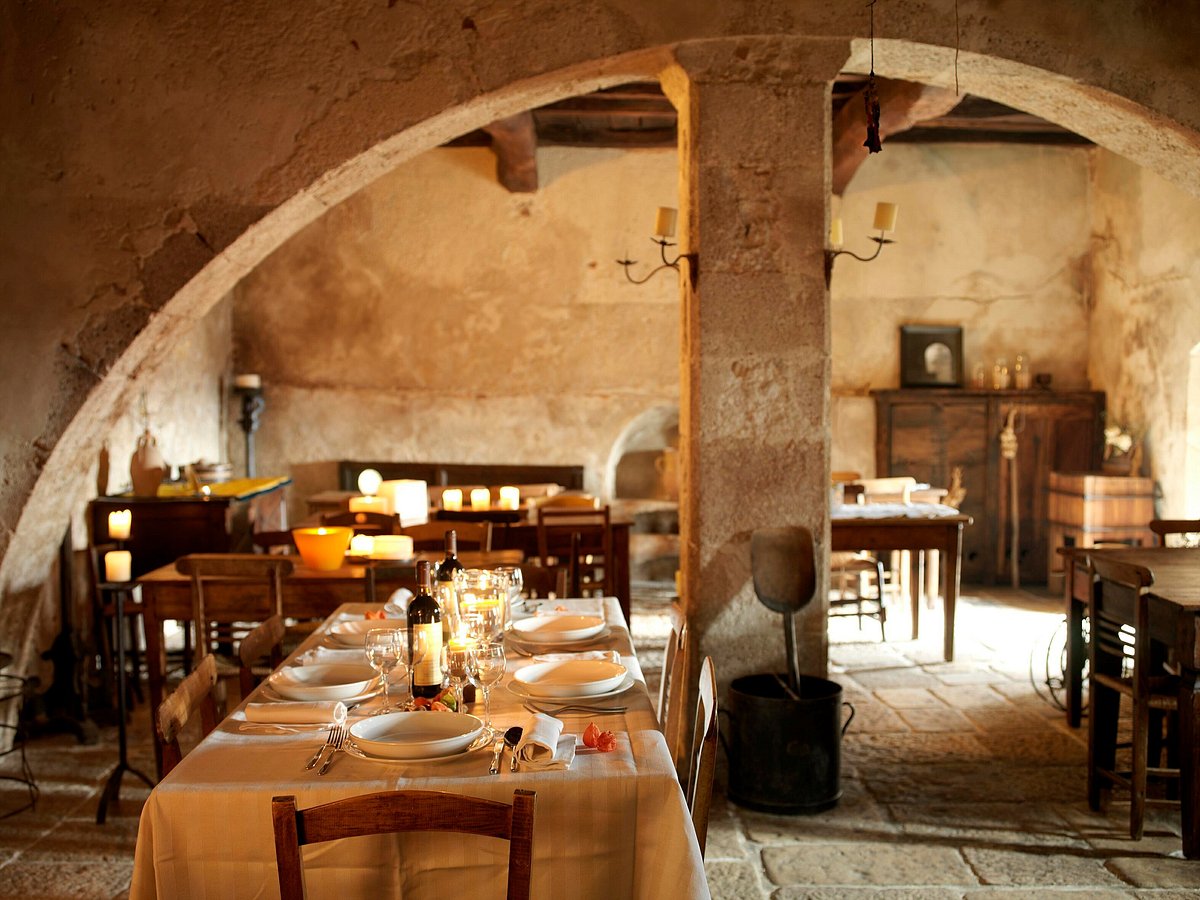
(253, 405)
(693, 260)
(831, 255)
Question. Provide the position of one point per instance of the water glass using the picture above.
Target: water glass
(483, 592)
(486, 669)
(385, 653)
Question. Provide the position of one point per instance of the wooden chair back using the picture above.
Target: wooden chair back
(194, 693)
(264, 642)
(542, 581)
(274, 541)
(212, 617)
(836, 477)
(432, 535)
(363, 522)
(568, 500)
(397, 811)
(583, 538)
(671, 689)
(1188, 531)
(704, 752)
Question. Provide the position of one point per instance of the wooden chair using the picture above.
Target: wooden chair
(397, 811)
(1122, 588)
(703, 760)
(582, 537)
(851, 572)
(671, 688)
(274, 541)
(194, 693)
(432, 535)
(544, 581)
(363, 522)
(218, 624)
(1188, 531)
(264, 642)
(569, 500)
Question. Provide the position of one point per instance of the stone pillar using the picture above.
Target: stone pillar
(754, 133)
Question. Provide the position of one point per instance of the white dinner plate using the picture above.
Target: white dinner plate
(328, 681)
(354, 634)
(570, 677)
(351, 747)
(529, 648)
(515, 687)
(270, 695)
(558, 629)
(416, 735)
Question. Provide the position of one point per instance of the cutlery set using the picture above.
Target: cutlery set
(333, 743)
(575, 709)
(509, 739)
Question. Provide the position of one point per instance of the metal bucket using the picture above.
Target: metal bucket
(785, 753)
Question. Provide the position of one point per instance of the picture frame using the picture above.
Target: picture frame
(931, 356)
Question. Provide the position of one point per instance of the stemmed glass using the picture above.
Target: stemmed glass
(486, 668)
(456, 659)
(516, 584)
(385, 652)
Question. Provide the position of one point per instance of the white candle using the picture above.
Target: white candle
(885, 216)
(664, 222)
(250, 382)
(452, 499)
(118, 565)
(119, 523)
(370, 504)
(510, 497)
(362, 545)
(481, 498)
(835, 233)
(369, 481)
(392, 546)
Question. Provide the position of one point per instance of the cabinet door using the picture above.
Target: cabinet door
(927, 439)
(1052, 435)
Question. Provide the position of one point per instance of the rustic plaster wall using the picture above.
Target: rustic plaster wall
(436, 316)
(993, 238)
(1146, 314)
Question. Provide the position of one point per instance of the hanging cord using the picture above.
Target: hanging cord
(871, 96)
(957, 43)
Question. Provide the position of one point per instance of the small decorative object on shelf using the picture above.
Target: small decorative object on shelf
(1122, 451)
(1000, 376)
(1022, 374)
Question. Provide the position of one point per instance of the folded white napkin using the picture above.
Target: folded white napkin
(611, 656)
(543, 746)
(297, 712)
(396, 606)
(325, 655)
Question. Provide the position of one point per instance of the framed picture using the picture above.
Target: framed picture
(931, 356)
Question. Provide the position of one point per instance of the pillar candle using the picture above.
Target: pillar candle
(835, 233)
(362, 545)
(370, 504)
(452, 499)
(119, 523)
(481, 498)
(118, 565)
(250, 382)
(885, 216)
(510, 497)
(664, 222)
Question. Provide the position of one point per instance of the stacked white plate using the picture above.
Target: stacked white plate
(570, 678)
(354, 634)
(332, 681)
(552, 630)
(416, 736)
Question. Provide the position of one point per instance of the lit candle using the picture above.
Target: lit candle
(885, 216)
(369, 481)
(119, 523)
(664, 222)
(248, 382)
(392, 546)
(510, 497)
(370, 504)
(835, 233)
(118, 565)
(452, 499)
(362, 545)
(481, 498)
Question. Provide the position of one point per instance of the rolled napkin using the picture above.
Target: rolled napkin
(325, 655)
(396, 606)
(297, 712)
(543, 746)
(611, 656)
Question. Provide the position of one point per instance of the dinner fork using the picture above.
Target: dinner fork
(338, 740)
(576, 708)
(329, 739)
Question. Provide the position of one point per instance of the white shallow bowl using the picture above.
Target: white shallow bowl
(570, 677)
(558, 629)
(323, 681)
(416, 735)
(354, 634)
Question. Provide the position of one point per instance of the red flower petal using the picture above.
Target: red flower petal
(591, 735)
(606, 742)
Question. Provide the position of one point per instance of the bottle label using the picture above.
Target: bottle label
(429, 670)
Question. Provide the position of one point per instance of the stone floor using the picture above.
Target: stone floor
(959, 779)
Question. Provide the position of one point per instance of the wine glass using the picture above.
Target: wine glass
(456, 661)
(516, 584)
(385, 652)
(486, 668)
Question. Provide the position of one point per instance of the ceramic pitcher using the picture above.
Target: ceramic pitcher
(146, 468)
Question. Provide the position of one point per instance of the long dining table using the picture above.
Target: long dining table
(612, 825)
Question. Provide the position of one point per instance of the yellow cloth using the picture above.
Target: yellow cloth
(237, 488)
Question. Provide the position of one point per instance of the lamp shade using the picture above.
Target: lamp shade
(410, 500)
(323, 547)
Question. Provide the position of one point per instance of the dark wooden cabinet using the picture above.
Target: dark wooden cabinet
(926, 432)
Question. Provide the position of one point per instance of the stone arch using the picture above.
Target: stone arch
(649, 434)
(1192, 447)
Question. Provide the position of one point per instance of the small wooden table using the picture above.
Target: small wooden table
(943, 533)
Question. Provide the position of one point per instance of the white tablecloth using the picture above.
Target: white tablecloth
(615, 825)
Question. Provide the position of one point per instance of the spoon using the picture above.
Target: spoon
(511, 738)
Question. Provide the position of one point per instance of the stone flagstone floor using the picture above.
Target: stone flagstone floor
(959, 781)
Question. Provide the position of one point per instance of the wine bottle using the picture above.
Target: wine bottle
(425, 622)
(445, 593)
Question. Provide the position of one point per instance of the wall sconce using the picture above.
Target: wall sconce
(664, 227)
(249, 388)
(885, 221)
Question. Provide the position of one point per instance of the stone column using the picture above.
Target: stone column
(754, 133)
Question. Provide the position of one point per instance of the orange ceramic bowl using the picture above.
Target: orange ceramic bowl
(324, 547)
